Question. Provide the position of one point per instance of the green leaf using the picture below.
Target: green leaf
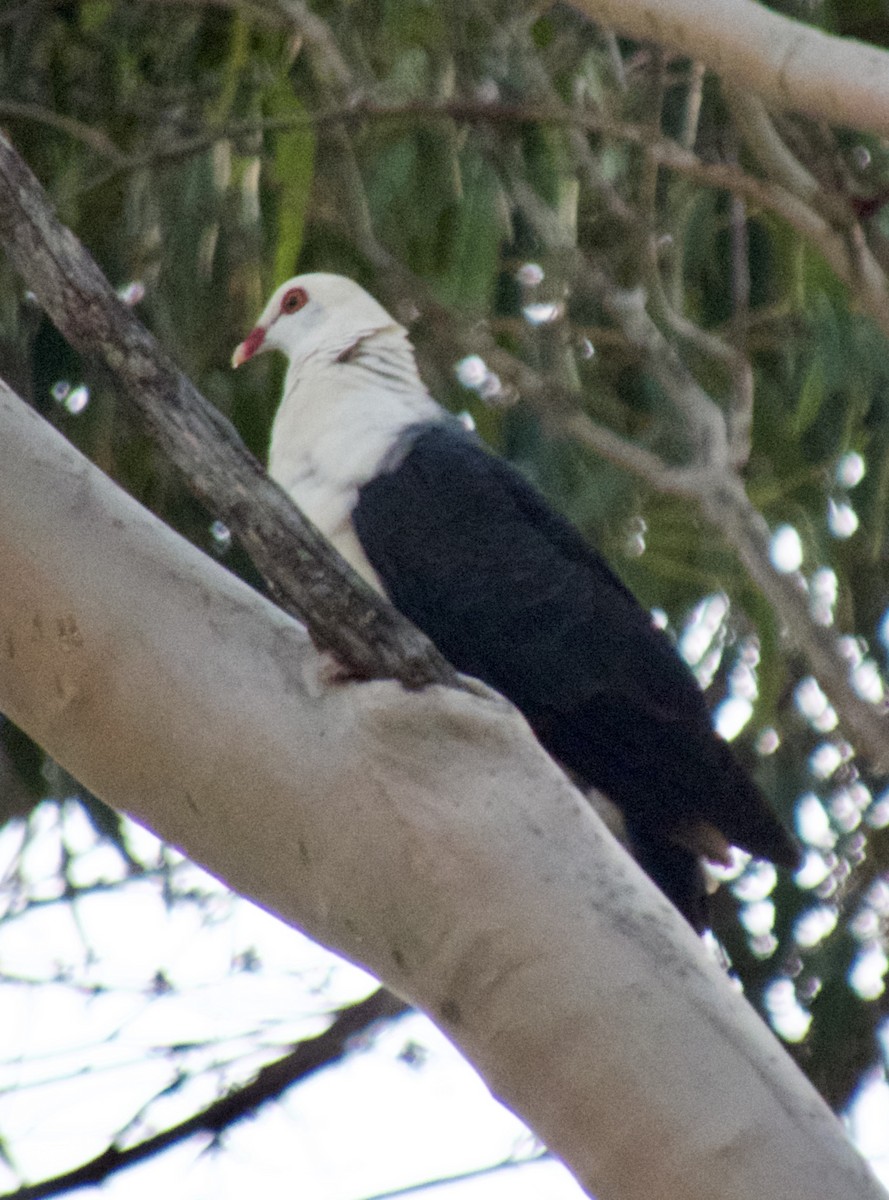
(293, 169)
(812, 395)
(479, 227)
(94, 13)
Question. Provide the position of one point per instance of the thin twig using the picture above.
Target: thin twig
(314, 1054)
(740, 414)
(713, 482)
(78, 130)
(693, 99)
(727, 505)
(844, 248)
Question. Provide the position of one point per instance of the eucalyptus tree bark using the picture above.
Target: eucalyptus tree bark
(793, 66)
(422, 834)
(425, 835)
(303, 572)
(790, 65)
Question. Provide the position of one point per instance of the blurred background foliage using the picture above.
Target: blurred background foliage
(471, 163)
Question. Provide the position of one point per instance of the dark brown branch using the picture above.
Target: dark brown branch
(271, 1082)
(860, 271)
(304, 573)
(96, 139)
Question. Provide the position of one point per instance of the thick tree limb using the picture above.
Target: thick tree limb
(304, 573)
(791, 65)
(302, 568)
(462, 868)
(424, 835)
(460, 865)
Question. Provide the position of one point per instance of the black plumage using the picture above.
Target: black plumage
(508, 590)
(511, 593)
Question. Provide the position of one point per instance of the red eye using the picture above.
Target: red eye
(294, 299)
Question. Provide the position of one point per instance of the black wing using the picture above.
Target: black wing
(512, 594)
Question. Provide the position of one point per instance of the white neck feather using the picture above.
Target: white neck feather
(343, 409)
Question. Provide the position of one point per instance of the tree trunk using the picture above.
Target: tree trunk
(422, 834)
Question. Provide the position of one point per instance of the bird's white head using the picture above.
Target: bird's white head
(316, 314)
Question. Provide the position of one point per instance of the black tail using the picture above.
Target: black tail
(678, 873)
(745, 816)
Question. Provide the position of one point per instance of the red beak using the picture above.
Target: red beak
(251, 343)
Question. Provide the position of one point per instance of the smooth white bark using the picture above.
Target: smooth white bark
(791, 65)
(424, 835)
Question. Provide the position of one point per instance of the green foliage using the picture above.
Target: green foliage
(208, 154)
(292, 170)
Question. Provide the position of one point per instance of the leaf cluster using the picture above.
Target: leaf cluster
(480, 167)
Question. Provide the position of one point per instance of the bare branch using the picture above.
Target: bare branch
(694, 98)
(96, 139)
(303, 571)
(728, 506)
(768, 147)
(842, 244)
(791, 65)
(461, 868)
(314, 1054)
(712, 480)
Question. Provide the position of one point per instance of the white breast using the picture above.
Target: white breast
(332, 432)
